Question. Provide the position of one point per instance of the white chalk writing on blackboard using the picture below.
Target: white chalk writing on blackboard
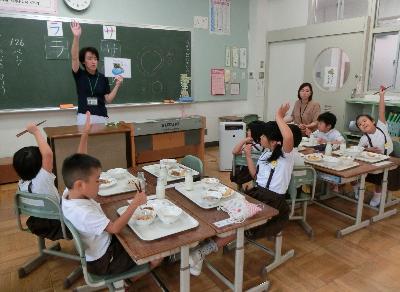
(17, 45)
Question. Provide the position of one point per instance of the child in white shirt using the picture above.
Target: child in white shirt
(104, 253)
(297, 136)
(272, 174)
(34, 165)
(326, 131)
(377, 139)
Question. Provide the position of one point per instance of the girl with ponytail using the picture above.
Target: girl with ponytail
(273, 171)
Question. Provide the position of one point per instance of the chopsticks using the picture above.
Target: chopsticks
(254, 145)
(384, 88)
(138, 187)
(26, 131)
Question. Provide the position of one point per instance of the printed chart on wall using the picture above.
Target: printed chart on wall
(217, 81)
(220, 16)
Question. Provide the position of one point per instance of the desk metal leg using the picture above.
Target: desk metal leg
(239, 260)
(184, 273)
(382, 214)
(358, 224)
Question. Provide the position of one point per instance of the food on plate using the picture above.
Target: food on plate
(212, 196)
(177, 172)
(144, 217)
(104, 181)
(313, 157)
(367, 154)
(226, 192)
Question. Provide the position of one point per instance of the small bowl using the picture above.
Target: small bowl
(353, 151)
(331, 161)
(346, 160)
(212, 197)
(117, 173)
(144, 215)
(210, 181)
(169, 214)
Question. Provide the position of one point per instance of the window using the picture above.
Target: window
(388, 13)
(384, 62)
(332, 10)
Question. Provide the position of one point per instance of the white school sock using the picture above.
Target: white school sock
(196, 257)
(355, 190)
(376, 200)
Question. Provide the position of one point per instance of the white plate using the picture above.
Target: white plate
(158, 228)
(210, 180)
(226, 192)
(199, 190)
(117, 173)
(111, 182)
(174, 172)
(370, 155)
(122, 186)
(313, 157)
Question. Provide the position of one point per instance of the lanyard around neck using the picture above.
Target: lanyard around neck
(302, 113)
(95, 84)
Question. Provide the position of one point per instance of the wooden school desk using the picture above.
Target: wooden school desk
(145, 251)
(357, 173)
(213, 215)
(112, 145)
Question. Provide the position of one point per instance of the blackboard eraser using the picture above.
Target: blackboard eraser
(66, 105)
(168, 101)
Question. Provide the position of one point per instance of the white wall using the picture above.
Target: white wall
(283, 14)
(286, 73)
(257, 39)
(285, 59)
(147, 12)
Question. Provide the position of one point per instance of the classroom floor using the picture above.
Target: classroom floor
(367, 260)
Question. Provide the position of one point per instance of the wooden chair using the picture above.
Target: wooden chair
(43, 206)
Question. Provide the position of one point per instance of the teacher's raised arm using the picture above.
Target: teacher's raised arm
(305, 111)
(92, 87)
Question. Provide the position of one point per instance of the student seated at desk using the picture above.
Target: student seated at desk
(104, 253)
(34, 165)
(297, 136)
(272, 175)
(241, 174)
(377, 139)
(326, 131)
(253, 130)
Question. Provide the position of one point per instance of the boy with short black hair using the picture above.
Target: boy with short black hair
(34, 165)
(104, 253)
(326, 131)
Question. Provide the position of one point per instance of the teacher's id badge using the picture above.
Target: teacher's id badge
(92, 101)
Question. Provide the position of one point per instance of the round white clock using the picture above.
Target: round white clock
(78, 5)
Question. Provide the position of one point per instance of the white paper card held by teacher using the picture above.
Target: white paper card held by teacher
(117, 67)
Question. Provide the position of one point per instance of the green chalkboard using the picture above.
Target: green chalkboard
(35, 70)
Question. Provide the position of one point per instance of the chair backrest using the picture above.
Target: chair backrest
(38, 205)
(81, 251)
(302, 175)
(247, 119)
(193, 162)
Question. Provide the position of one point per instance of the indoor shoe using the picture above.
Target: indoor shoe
(375, 201)
(195, 270)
